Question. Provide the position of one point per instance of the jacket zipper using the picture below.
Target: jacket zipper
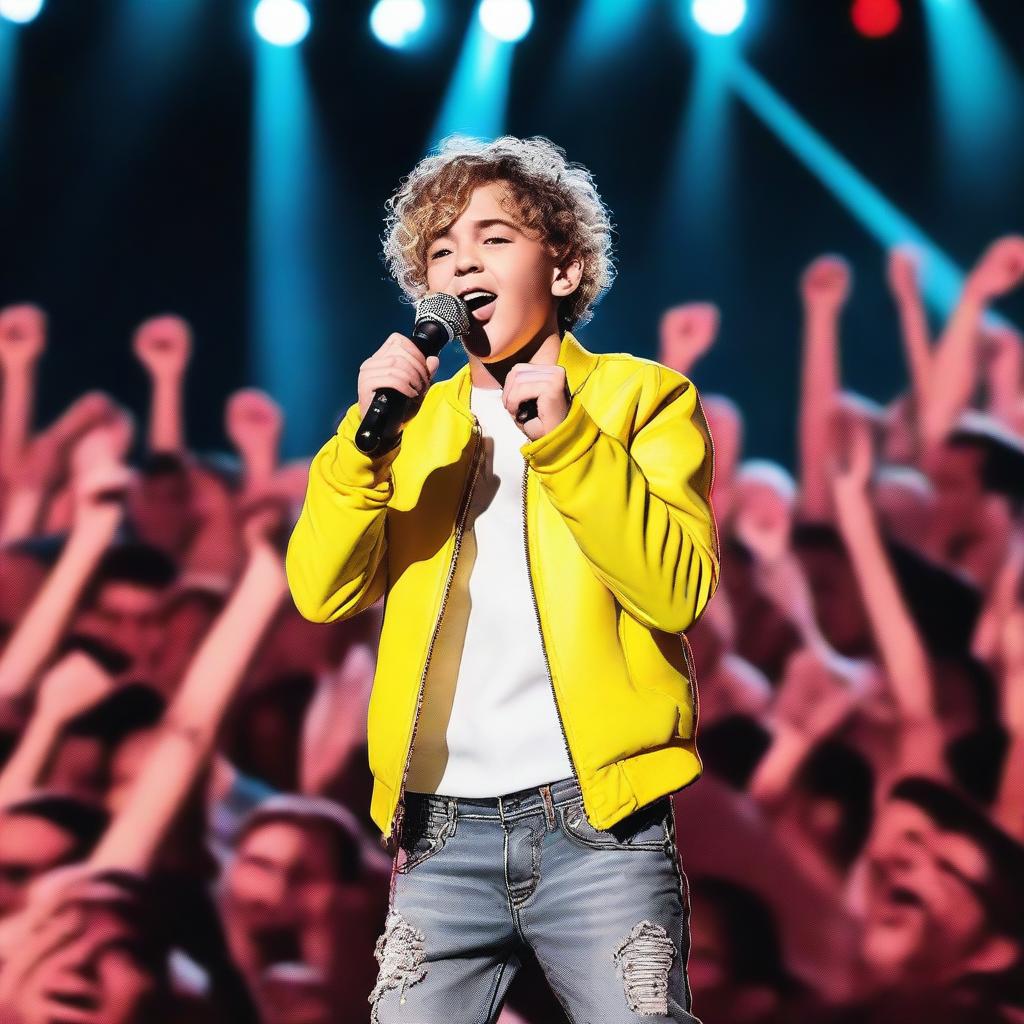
(533, 594)
(467, 495)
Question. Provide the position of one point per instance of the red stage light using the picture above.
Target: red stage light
(876, 18)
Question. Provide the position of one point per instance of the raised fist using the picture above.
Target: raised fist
(1000, 269)
(252, 418)
(686, 333)
(22, 335)
(163, 344)
(826, 282)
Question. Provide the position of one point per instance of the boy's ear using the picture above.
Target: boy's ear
(564, 281)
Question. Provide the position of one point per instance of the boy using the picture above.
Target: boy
(537, 578)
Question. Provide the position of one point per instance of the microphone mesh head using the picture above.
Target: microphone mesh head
(448, 310)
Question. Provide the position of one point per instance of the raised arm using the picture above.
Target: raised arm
(44, 463)
(163, 345)
(253, 421)
(22, 342)
(188, 733)
(685, 333)
(99, 508)
(336, 562)
(812, 701)
(824, 287)
(902, 272)
(903, 654)
(956, 362)
(1003, 362)
(73, 684)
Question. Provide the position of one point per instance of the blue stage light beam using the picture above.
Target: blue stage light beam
(8, 69)
(700, 183)
(977, 91)
(602, 32)
(290, 197)
(603, 26)
(942, 280)
(282, 22)
(397, 23)
(21, 12)
(702, 157)
(477, 94)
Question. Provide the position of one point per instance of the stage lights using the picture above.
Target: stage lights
(719, 17)
(394, 22)
(507, 20)
(20, 11)
(876, 18)
(282, 22)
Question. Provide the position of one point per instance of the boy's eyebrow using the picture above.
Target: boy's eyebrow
(485, 223)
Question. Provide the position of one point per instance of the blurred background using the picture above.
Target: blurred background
(819, 211)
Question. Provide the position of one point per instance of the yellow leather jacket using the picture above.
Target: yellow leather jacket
(621, 545)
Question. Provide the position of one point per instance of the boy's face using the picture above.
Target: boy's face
(508, 261)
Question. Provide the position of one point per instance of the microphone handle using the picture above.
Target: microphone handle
(379, 432)
(527, 410)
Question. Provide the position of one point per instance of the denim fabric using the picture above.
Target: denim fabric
(474, 882)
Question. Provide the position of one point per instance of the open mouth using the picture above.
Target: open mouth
(899, 895)
(480, 304)
(896, 902)
(75, 1000)
(276, 945)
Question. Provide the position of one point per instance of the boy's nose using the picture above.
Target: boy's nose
(467, 264)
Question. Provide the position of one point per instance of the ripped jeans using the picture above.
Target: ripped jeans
(605, 912)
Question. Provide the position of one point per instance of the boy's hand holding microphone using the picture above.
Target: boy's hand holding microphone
(398, 364)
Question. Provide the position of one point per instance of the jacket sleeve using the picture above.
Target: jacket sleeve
(336, 560)
(640, 514)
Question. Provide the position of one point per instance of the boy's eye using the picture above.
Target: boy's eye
(493, 238)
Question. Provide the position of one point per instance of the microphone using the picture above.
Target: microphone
(527, 410)
(440, 318)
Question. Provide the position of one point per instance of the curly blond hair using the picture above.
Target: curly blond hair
(552, 197)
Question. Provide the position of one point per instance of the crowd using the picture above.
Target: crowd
(184, 787)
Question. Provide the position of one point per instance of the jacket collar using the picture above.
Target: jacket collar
(577, 362)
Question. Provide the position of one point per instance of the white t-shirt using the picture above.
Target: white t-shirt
(488, 724)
